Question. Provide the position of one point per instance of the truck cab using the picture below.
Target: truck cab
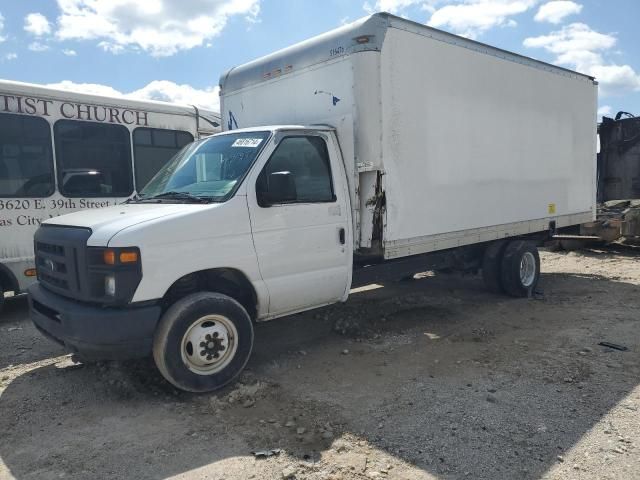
(246, 225)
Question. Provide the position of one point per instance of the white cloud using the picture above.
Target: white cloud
(396, 6)
(38, 47)
(605, 110)
(583, 49)
(92, 88)
(166, 91)
(69, 52)
(11, 56)
(37, 24)
(471, 18)
(2, 38)
(111, 47)
(160, 90)
(556, 11)
(576, 37)
(159, 27)
(616, 79)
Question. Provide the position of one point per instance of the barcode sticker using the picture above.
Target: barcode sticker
(247, 142)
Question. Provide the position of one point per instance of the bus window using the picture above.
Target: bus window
(26, 163)
(152, 149)
(93, 159)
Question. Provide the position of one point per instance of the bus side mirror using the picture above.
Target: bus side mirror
(280, 188)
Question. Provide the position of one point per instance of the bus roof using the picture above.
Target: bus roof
(21, 88)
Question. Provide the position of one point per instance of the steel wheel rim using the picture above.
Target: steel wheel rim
(527, 269)
(209, 344)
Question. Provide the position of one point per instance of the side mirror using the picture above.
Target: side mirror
(280, 188)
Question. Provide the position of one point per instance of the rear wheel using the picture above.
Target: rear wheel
(203, 342)
(492, 266)
(1, 298)
(520, 269)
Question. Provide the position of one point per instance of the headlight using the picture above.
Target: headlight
(114, 273)
(110, 285)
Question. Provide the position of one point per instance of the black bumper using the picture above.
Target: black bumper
(93, 332)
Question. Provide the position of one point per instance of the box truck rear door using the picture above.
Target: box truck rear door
(299, 215)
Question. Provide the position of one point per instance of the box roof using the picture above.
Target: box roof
(365, 34)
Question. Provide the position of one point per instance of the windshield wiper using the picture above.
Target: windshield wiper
(177, 196)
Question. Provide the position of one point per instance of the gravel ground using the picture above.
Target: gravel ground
(420, 379)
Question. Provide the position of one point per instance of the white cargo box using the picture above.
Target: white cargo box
(460, 141)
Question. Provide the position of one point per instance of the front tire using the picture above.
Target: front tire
(203, 341)
(520, 268)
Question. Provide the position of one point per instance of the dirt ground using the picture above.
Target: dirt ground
(420, 379)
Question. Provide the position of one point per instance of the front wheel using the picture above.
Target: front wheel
(520, 270)
(203, 342)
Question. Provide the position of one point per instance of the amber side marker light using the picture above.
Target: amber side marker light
(109, 257)
(128, 257)
(123, 257)
(30, 272)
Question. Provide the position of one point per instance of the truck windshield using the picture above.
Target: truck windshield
(208, 169)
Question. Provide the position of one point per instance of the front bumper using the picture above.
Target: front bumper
(94, 332)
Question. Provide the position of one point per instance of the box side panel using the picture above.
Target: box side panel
(471, 141)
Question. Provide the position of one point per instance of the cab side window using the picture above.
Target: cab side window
(306, 159)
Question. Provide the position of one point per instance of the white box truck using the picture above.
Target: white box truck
(383, 145)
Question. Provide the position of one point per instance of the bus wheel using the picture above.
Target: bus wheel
(520, 268)
(203, 342)
(1, 298)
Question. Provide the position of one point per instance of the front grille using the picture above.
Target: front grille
(49, 264)
(58, 282)
(61, 259)
(48, 248)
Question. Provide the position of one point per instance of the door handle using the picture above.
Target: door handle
(342, 236)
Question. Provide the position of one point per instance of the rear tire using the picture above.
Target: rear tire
(492, 266)
(520, 270)
(203, 342)
(1, 298)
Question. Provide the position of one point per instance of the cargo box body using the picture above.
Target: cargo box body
(446, 141)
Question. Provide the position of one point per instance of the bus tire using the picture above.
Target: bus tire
(203, 341)
(1, 298)
(520, 268)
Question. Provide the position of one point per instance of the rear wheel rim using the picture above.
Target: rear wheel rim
(527, 269)
(209, 344)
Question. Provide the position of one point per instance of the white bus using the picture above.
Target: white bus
(62, 151)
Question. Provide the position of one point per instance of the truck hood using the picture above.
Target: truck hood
(107, 222)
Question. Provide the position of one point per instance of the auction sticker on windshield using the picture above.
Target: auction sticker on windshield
(247, 142)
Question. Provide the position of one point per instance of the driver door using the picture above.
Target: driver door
(302, 240)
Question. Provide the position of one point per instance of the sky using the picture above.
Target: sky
(176, 50)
